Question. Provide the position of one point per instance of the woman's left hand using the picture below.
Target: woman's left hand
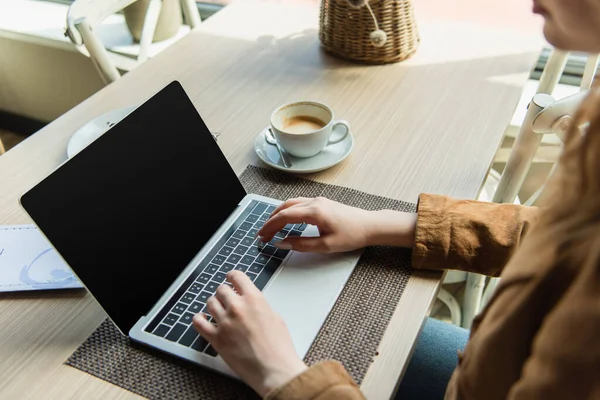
(252, 339)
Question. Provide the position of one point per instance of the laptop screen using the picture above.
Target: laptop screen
(130, 211)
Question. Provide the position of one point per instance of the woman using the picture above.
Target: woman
(539, 335)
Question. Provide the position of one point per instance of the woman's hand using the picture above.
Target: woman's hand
(341, 227)
(251, 338)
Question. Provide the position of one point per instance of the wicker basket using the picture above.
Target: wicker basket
(344, 30)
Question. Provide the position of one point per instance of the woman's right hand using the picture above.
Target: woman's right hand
(341, 227)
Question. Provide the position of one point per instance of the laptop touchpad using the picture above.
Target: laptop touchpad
(306, 288)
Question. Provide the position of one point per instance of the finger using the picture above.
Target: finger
(289, 203)
(292, 207)
(215, 308)
(294, 215)
(304, 244)
(226, 295)
(241, 282)
(203, 327)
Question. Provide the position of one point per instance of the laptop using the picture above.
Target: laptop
(151, 216)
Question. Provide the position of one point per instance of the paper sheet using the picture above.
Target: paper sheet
(29, 262)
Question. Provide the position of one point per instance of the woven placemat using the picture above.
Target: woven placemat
(351, 333)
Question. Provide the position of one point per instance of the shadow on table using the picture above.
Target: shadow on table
(57, 294)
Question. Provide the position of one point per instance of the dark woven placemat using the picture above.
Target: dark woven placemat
(351, 333)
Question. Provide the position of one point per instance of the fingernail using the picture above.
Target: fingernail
(283, 245)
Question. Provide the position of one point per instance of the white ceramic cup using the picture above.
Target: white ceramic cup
(311, 143)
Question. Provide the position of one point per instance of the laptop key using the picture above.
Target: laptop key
(179, 308)
(225, 251)
(161, 330)
(294, 232)
(219, 277)
(234, 258)
(260, 208)
(256, 268)
(204, 296)
(259, 224)
(211, 351)
(218, 260)
(268, 249)
(200, 344)
(253, 232)
(248, 241)
(195, 307)
(239, 234)
(188, 298)
(196, 287)
(232, 242)
(211, 287)
(204, 278)
(252, 218)
(253, 251)
(264, 217)
(262, 258)
(279, 253)
(246, 226)
(241, 267)
(267, 273)
(270, 209)
(248, 260)
(251, 275)
(188, 337)
(272, 265)
(186, 318)
(176, 332)
(211, 269)
(241, 250)
(170, 319)
(227, 267)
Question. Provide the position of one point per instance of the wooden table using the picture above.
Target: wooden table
(430, 124)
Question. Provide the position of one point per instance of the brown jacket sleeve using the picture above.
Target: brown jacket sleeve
(325, 381)
(468, 235)
(565, 357)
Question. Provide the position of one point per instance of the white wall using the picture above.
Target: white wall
(43, 82)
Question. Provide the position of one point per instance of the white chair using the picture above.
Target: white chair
(544, 116)
(84, 16)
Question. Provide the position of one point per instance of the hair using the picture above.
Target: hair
(570, 219)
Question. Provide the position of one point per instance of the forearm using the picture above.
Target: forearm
(454, 234)
(392, 228)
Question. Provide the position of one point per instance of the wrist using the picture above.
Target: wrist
(391, 228)
(280, 377)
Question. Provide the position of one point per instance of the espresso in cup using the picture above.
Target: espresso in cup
(305, 128)
(300, 124)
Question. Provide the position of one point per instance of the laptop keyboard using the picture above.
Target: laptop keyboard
(237, 251)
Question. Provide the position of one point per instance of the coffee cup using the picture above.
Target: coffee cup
(305, 128)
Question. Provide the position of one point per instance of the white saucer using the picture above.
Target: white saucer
(330, 156)
(94, 129)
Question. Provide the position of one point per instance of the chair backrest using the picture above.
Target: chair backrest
(85, 15)
(545, 115)
(94, 12)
